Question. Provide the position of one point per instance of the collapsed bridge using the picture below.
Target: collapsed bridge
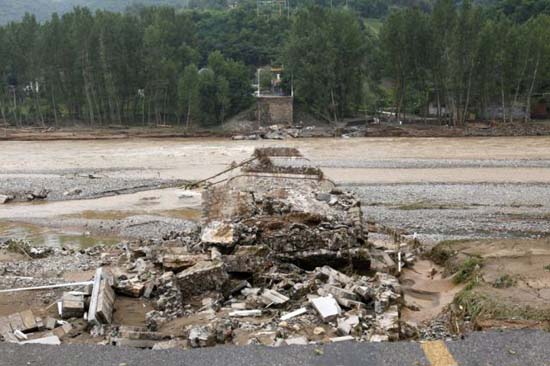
(280, 203)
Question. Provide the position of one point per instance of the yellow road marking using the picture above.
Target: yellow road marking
(437, 353)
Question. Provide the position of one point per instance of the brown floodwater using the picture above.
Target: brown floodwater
(200, 158)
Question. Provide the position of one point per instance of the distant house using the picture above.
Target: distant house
(496, 112)
(432, 109)
(540, 109)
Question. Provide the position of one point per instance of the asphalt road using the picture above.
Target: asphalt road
(511, 348)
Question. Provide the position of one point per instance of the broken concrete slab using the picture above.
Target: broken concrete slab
(137, 337)
(132, 287)
(218, 233)
(49, 340)
(342, 339)
(350, 304)
(20, 335)
(62, 331)
(171, 344)
(51, 323)
(388, 322)
(179, 262)
(346, 325)
(203, 276)
(271, 297)
(330, 274)
(327, 307)
(29, 321)
(337, 292)
(294, 314)
(5, 198)
(245, 313)
(202, 336)
(296, 341)
(102, 299)
(5, 326)
(16, 322)
(72, 305)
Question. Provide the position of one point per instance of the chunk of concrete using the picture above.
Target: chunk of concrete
(245, 313)
(329, 273)
(5, 199)
(339, 292)
(294, 314)
(137, 337)
(5, 326)
(271, 297)
(16, 322)
(29, 321)
(203, 276)
(179, 262)
(72, 305)
(296, 341)
(342, 339)
(327, 307)
(51, 323)
(49, 340)
(346, 325)
(202, 337)
(350, 304)
(218, 233)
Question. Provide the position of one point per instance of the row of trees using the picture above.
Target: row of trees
(154, 65)
(465, 62)
(107, 68)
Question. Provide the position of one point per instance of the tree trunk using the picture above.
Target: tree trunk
(530, 92)
(188, 115)
(333, 106)
(516, 93)
(467, 103)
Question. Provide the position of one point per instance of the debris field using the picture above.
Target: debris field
(281, 258)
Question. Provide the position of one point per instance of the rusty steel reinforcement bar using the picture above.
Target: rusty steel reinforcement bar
(196, 184)
(275, 176)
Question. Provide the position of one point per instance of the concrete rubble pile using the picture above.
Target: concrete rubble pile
(282, 259)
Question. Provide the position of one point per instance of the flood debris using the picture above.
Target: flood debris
(102, 298)
(5, 198)
(282, 259)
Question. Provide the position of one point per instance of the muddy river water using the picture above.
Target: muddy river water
(440, 188)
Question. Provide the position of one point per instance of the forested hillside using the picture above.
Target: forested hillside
(11, 10)
(194, 67)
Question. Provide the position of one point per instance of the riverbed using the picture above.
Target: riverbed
(438, 188)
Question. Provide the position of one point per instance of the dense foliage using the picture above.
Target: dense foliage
(153, 65)
(464, 62)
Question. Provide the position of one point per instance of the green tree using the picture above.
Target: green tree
(325, 56)
(188, 94)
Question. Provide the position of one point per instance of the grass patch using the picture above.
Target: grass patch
(505, 281)
(547, 268)
(480, 306)
(444, 251)
(467, 270)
